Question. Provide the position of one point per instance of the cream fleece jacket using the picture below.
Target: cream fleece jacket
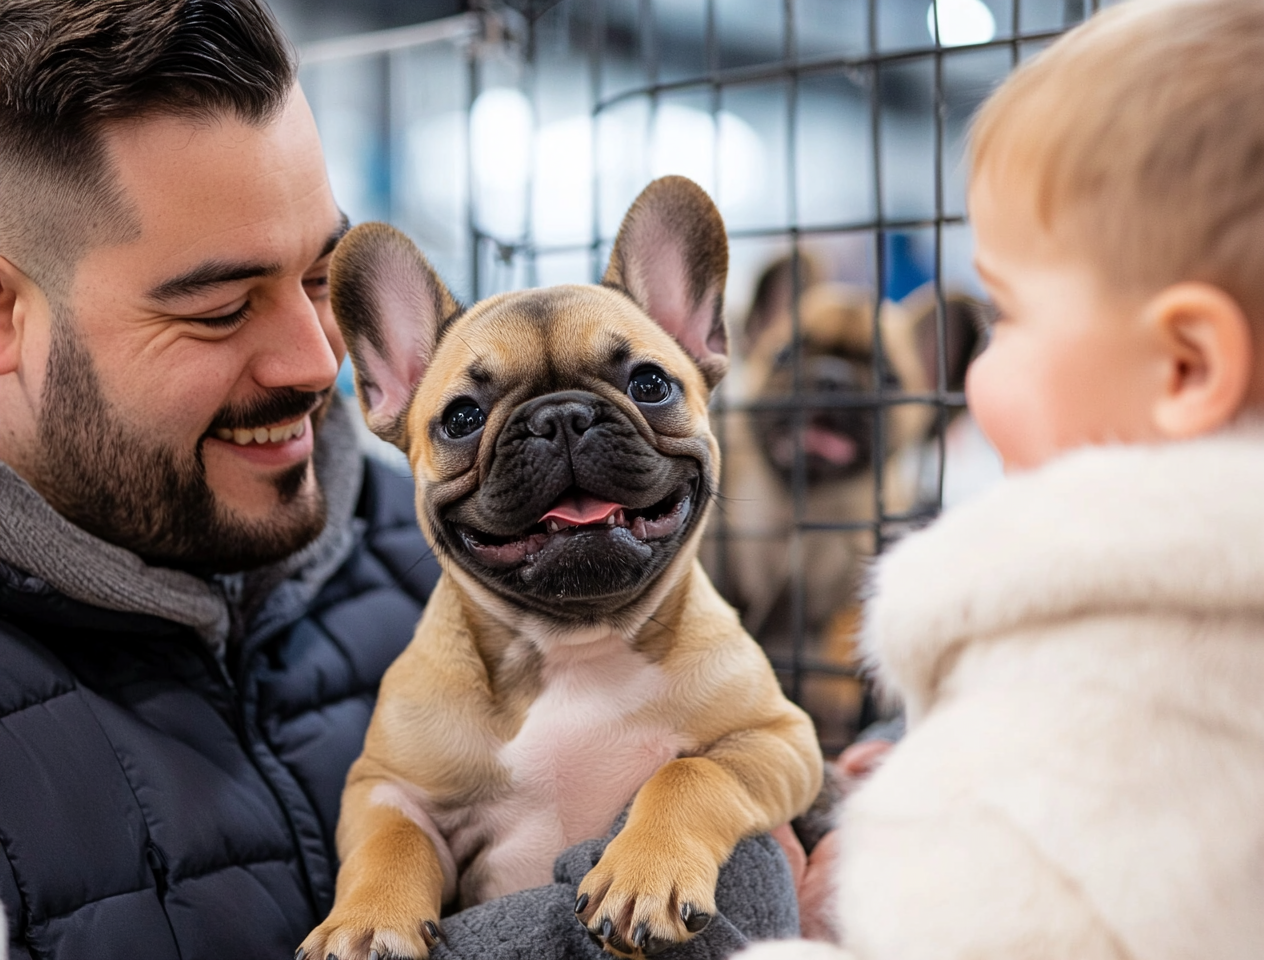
(1081, 654)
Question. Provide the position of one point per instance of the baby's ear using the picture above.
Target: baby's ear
(390, 306)
(1205, 340)
(672, 257)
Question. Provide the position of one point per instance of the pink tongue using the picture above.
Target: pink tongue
(581, 509)
(829, 446)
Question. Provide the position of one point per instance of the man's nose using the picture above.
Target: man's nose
(292, 347)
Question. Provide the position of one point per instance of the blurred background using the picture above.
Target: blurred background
(509, 137)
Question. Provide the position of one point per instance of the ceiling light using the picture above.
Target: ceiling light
(961, 22)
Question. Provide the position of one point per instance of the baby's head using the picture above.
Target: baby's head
(1117, 197)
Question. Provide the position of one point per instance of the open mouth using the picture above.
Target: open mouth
(832, 447)
(579, 514)
(274, 434)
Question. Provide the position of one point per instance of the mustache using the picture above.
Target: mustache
(275, 406)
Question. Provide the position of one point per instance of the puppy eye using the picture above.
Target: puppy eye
(649, 385)
(462, 418)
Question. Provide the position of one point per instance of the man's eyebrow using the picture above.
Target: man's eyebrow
(215, 272)
(209, 274)
(339, 232)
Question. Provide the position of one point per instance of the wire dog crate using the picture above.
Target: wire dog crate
(509, 141)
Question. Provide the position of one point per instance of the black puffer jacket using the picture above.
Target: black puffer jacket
(155, 803)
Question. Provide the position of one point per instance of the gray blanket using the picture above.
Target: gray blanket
(754, 899)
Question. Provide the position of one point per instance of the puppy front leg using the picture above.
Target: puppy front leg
(390, 887)
(655, 884)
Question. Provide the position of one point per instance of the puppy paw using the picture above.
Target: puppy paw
(358, 934)
(647, 893)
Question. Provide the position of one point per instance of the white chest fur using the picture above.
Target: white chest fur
(588, 743)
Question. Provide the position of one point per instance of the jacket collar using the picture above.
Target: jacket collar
(1176, 527)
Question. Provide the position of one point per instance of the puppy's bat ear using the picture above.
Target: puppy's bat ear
(966, 320)
(390, 306)
(775, 292)
(963, 325)
(672, 257)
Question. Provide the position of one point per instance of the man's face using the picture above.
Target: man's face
(186, 368)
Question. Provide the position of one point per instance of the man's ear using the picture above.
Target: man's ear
(1208, 360)
(390, 306)
(672, 257)
(12, 320)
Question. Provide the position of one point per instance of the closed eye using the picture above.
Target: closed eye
(225, 321)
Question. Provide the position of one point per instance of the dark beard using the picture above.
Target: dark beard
(113, 481)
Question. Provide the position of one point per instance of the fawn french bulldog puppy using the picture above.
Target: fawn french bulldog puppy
(811, 362)
(834, 419)
(574, 657)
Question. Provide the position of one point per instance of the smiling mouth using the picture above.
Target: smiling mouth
(277, 434)
(578, 514)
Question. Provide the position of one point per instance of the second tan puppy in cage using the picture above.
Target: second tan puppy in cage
(574, 656)
(830, 421)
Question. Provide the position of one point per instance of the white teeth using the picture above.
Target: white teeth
(552, 526)
(262, 434)
(610, 520)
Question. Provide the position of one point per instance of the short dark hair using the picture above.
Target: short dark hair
(68, 67)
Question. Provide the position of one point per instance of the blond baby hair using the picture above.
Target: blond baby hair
(1139, 139)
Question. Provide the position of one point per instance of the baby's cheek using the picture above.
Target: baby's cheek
(1001, 404)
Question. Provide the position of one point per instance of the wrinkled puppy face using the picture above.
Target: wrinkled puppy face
(559, 437)
(825, 379)
(564, 448)
(833, 362)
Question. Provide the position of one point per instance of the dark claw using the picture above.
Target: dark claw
(640, 935)
(607, 929)
(373, 955)
(693, 919)
(580, 906)
(332, 956)
(300, 953)
(432, 931)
